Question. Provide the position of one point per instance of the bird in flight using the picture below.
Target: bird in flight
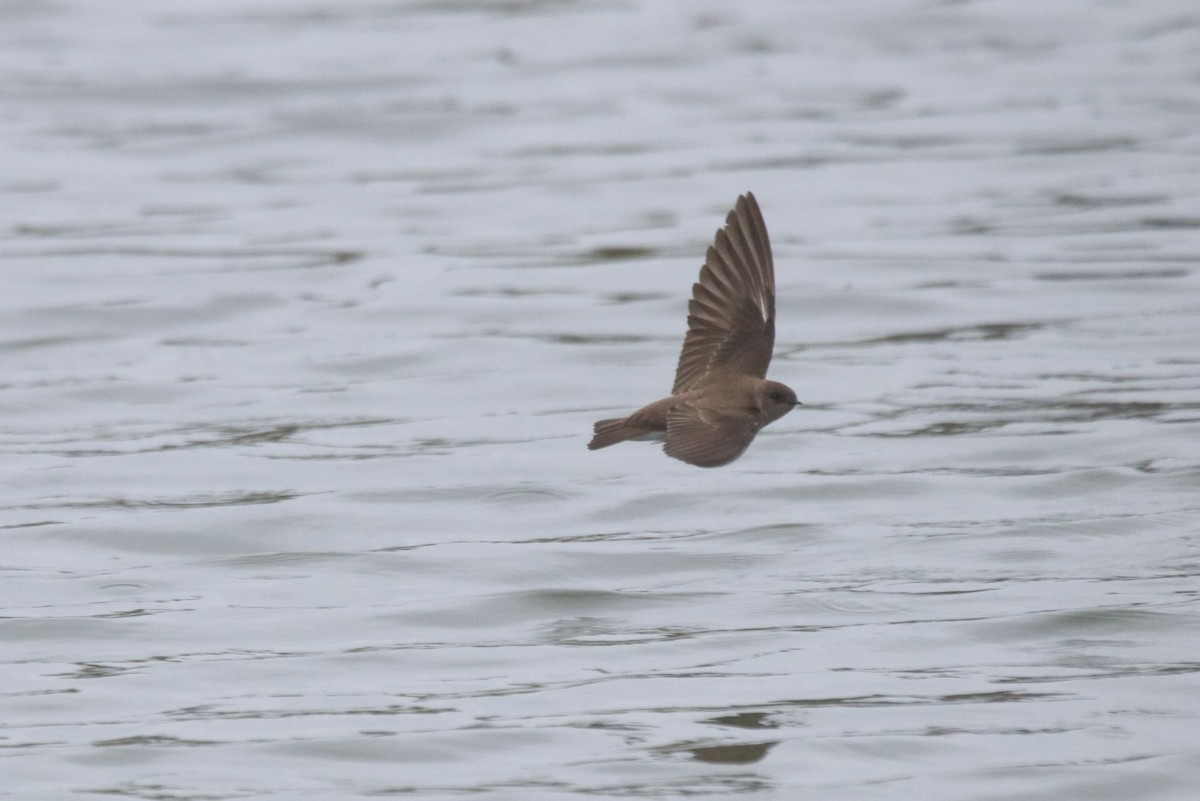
(721, 398)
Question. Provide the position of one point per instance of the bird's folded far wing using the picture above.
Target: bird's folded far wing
(707, 439)
(731, 317)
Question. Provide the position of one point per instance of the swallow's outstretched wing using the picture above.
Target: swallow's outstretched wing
(731, 317)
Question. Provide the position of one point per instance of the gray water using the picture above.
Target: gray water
(307, 309)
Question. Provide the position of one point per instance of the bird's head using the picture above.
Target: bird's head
(776, 400)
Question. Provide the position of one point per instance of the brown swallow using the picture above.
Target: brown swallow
(721, 397)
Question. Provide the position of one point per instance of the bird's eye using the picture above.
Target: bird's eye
(776, 396)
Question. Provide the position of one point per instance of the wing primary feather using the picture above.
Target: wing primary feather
(732, 310)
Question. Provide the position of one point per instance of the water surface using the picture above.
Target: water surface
(307, 311)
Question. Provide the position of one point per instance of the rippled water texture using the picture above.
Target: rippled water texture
(308, 308)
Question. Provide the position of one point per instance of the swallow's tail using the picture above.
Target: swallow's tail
(610, 432)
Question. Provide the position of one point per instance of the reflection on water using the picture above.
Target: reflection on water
(304, 333)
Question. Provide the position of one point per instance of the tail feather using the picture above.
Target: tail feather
(610, 432)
